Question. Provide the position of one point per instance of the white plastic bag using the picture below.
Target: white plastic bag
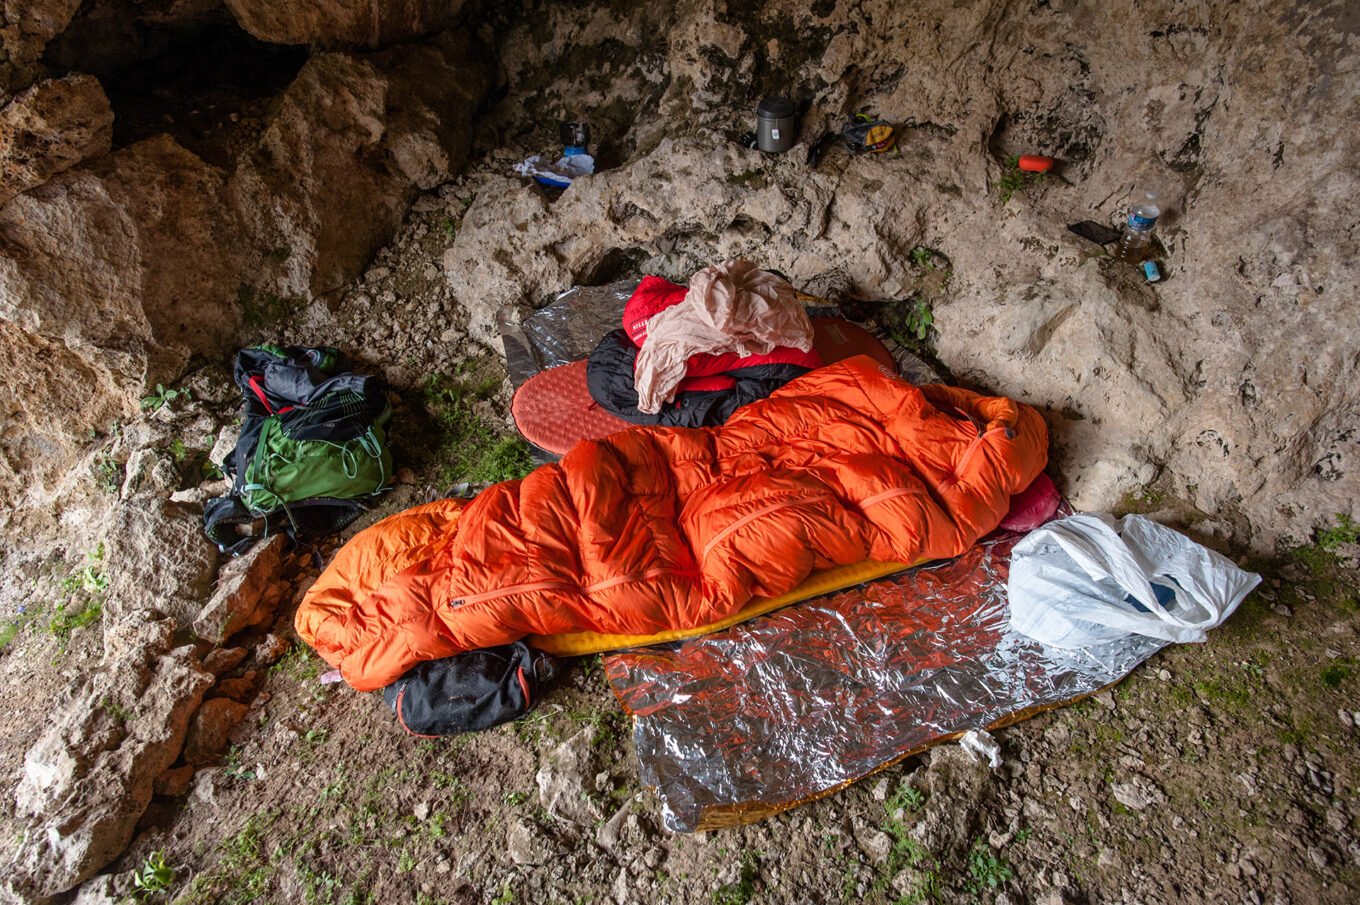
(1090, 579)
(560, 174)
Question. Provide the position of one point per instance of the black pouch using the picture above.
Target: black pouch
(469, 692)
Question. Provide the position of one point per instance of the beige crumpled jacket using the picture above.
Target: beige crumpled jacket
(730, 307)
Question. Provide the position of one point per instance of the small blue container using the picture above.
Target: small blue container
(1151, 272)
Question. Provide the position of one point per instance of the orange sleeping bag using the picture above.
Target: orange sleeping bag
(654, 529)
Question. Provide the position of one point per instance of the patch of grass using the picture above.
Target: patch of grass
(178, 451)
(1345, 531)
(741, 890)
(1320, 556)
(115, 710)
(924, 258)
(83, 605)
(433, 828)
(235, 769)
(505, 896)
(986, 871)
(299, 663)
(90, 577)
(1292, 736)
(906, 852)
(108, 474)
(1334, 675)
(450, 228)
(1013, 179)
(242, 873)
(606, 724)
(457, 790)
(318, 888)
(754, 178)
(1140, 501)
(907, 798)
(1232, 693)
(154, 877)
(849, 882)
(27, 615)
(471, 447)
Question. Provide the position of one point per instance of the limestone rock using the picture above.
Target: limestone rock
(1138, 793)
(208, 731)
(99, 891)
(335, 172)
(246, 592)
(270, 650)
(26, 28)
(957, 787)
(526, 843)
(49, 128)
(158, 559)
(91, 773)
(111, 275)
(241, 689)
(223, 660)
(174, 782)
(106, 35)
(562, 780)
(344, 23)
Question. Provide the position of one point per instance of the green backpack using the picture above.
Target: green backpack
(313, 447)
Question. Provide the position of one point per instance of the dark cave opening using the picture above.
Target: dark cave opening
(210, 88)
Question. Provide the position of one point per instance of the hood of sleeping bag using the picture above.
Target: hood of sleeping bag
(704, 399)
(653, 528)
(652, 296)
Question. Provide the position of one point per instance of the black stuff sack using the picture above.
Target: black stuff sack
(471, 691)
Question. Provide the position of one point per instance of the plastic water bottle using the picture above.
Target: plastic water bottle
(1137, 236)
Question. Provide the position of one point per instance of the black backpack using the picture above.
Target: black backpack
(470, 691)
(313, 448)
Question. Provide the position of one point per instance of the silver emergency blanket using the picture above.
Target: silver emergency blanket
(744, 723)
(562, 331)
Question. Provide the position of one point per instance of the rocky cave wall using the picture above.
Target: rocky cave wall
(1230, 386)
(121, 266)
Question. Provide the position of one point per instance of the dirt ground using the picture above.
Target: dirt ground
(1220, 773)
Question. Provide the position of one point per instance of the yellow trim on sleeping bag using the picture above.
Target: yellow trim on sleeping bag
(578, 644)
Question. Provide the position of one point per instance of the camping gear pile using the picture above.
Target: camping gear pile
(910, 521)
(573, 385)
(691, 359)
(652, 529)
(312, 450)
(574, 163)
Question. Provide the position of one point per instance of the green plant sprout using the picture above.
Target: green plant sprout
(154, 877)
(163, 397)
